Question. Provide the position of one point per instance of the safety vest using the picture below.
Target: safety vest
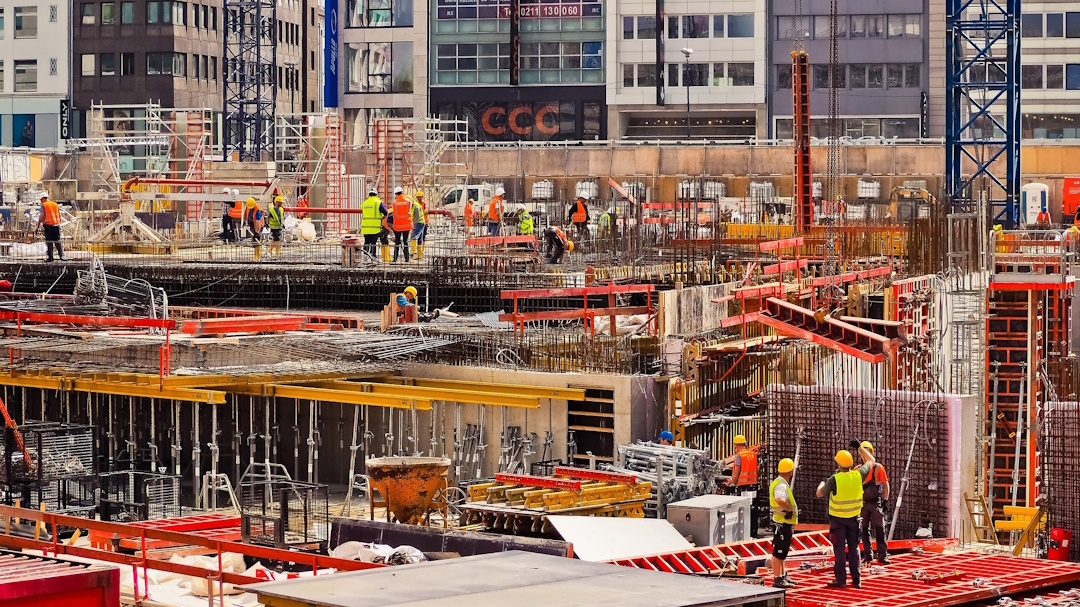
(747, 468)
(423, 212)
(605, 221)
(236, 211)
(580, 215)
(778, 515)
(371, 222)
(253, 214)
(402, 221)
(495, 209)
(847, 501)
(526, 226)
(51, 211)
(1043, 217)
(871, 489)
(276, 217)
(561, 235)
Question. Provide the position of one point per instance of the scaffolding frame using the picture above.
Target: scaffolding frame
(310, 158)
(409, 152)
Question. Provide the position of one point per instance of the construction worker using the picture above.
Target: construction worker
(402, 223)
(744, 471)
(606, 222)
(557, 244)
(667, 438)
(525, 221)
(236, 216)
(371, 221)
(495, 212)
(253, 219)
(226, 220)
(1076, 218)
(875, 493)
(1071, 239)
(578, 214)
(419, 230)
(845, 492)
(275, 220)
(407, 299)
(1042, 221)
(785, 514)
(50, 219)
(469, 216)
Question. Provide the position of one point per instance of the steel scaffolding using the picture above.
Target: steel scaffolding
(250, 91)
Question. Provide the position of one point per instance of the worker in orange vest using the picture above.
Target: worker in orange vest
(557, 244)
(1043, 219)
(236, 214)
(495, 212)
(744, 472)
(50, 218)
(402, 224)
(253, 219)
(579, 216)
(468, 216)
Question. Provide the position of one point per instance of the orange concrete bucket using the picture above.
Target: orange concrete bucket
(408, 484)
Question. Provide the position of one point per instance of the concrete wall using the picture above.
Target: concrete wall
(691, 310)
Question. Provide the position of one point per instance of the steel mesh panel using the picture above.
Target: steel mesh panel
(1061, 475)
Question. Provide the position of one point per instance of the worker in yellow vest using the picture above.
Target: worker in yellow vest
(275, 220)
(371, 222)
(418, 236)
(845, 492)
(785, 515)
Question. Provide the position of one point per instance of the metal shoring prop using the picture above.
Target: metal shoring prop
(432, 441)
(353, 448)
(252, 435)
(388, 446)
(152, 443)
(176, 446)
(368, 434)
(111, 436)
(275, 440)
(25, 400)
(481, 446)
(214, 451)
(907, 466)
(296, 438)
(311, 442)
(403, 432)
(131, 434)
(504, 447)
(991, 477)
(316, 436)
(196, 452)
(458, 447)
(414, 429)
(1019, 434)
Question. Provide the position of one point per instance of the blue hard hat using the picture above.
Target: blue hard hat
(667, 435)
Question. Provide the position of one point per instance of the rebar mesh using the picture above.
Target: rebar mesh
(284, 513)
(57, 451)
(1061, 475)
(132, 495)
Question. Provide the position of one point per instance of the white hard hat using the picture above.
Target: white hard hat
(372, 191)
(236, 192)
(499, 191)
(522, 209)
(224, 190)
(398, 190)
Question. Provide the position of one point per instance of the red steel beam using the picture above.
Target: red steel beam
(576, 291)
(573, 314)
(785, 266)
(243, 324)
(847, 277)
(595, 475)
(538, 481)
(742, 319)
(87, 320)
(793, 331)
(783, 243)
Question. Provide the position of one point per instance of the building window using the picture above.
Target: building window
(904, 25)
(1072, 25)
(127, 12)
(399, 13)
(1031, 25)
(896, 76)
(159, 11)
(52, 66)
(88, 15)
(179, 12)
(646, 75)
(205, 67)
(26, 71)
(646, 28)
(695, 26)
(783, 77)
(785, 28)
(88, 67)
(672, 28)
(213, 18)
(205, 17)
(822, 73)
(823, 27)
(108, 17)
(195, 67)
(1072, 76)
(179, 64)
(127, 64)
(912, 78)
(858, 75)
(1055, 25)
(1, 75)
(719, 75)
(695, 74)
(718, 26)
(628, 75)
(108, 64)
(741, 74)
(875, 76)
(1, 27)
(867, 26)
(384, 67)
(159, 63)
(740, 26)
(1055, 76)
(628, 28)
(213, 68)
(672, 75)
(26, 27)
(1031, 76)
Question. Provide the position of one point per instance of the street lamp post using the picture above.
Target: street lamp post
(686, 79)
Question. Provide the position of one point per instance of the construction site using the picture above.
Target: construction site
(286, 367)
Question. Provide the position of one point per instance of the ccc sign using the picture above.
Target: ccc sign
(521, 120)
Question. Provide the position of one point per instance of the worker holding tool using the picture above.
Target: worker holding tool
(469, 216)
(845, 491)
(402, 223)
(525, 221)
(578, 215)
(373, 214)
(226, 220)
(495, 212)
(253, 219)
(786, 515)
(275, 220)
(419, 232)
(667, 438)
(236, 216)
(557, 244)
(50, 219)
(875, 494)
(605, 226)
(407, 300)
(744, 471)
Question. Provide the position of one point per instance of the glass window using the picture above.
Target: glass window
(127, 64)
(1, 75)
(895, 26)
(628, 28)
(1031, 25)
(672, 28)
(88, 67)
(153, 14)
(741, 74)
(1055, 25)
(741, 26)
(108, 17)
(108, 64)
(628, 75)
(213, 68)
(195, 67)
(718, 75)
(911, 76)
(858, 26)
(179, 64)
(896, 76)
(875, 26)
(695, 26)
(672, 75)
(646, 28)
(695, 74)
(995, 72)
(785, 28)
(26, 27)
(1072, 76)
(1072, 25)
(783, 77)
(88, 14)
(384, 67)
(158, 63)
(1031, 76)
(179, 12)
(875, 76)
(823, 27)
(912, 25)
(1, 33)
(26, 71)
(1055, 76)
(646, 75)
(718, 26)
(858, 75)
(127, 12)
(821, 77)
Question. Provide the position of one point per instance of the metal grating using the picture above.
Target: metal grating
(57, 451)
(1061, 475)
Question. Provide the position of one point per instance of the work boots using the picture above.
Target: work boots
(385, 253)
(412, 248)
(419, 252)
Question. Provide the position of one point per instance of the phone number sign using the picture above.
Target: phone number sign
(485, 9)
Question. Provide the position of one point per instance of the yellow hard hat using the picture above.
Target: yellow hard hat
(278, 199)
(786, 465)
(866, 445)
(411, 291)
(420, 194)
(739, 439)
(251, 202)
(569, 246)
(843, 458)
(997, 227)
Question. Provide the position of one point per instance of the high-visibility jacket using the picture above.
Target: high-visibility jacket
(275, 217)
(871, 487)
(778, 515)
(402, 221)
(847, 501)
(371, 222)
(419, 214)
(468, 212)
(580, 213)
(747, 469)
(526, 225)
(236, 211)
(253, 214)
(605, 221)
(495, 209)
(1043, 217)
(50, 212)
(561, 235)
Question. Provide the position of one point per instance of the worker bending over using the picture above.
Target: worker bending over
(373, 214)
(785, 515)
(557, 244)
(845, 492)
(402, 222)
(875, 493)
(495, 212)
(407, 301)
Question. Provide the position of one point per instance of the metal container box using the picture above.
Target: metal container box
(709, 520)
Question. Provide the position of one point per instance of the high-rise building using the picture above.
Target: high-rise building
(34, 80)
(1050, 70)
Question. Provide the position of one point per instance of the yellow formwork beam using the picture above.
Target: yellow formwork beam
(497, 399)
(116, 388)
(543, 392)
(326, 395)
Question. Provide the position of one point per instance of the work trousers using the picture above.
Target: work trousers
(493, 228)
(370, 240)
(873, 519)
(401, 241)
(52, 238)
(227, 228)
(555, 248)
(844, 535)
(419, 233)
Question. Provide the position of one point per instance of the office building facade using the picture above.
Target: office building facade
(34, 84)
(1050, 70)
